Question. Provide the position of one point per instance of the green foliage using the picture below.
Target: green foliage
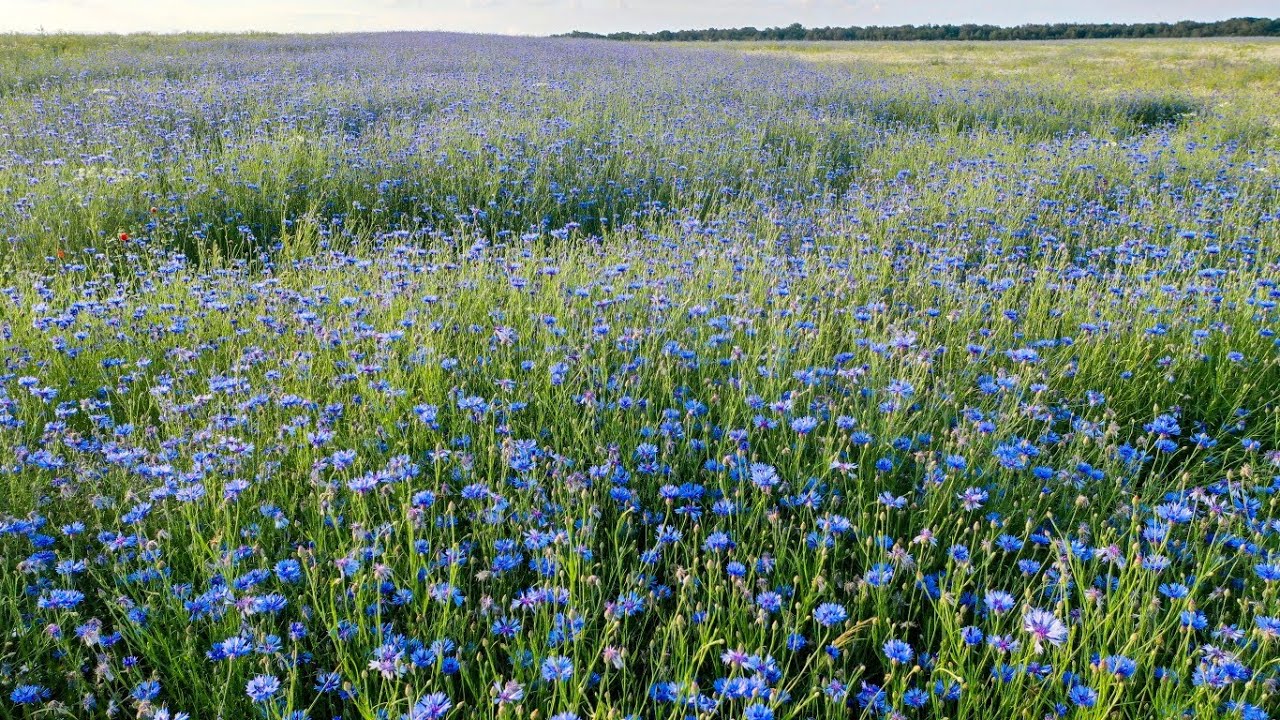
(1235, 27)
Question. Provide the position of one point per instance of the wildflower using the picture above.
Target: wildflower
(1044, 626)
(718, 542)
(60, 600)
(769, 601)
(828, 614)
(915, 698)
(507, 693)
(628, 605)
(557, 668)
(972, 498)
(898, 652)
(1004, 643)
(262, 688)
(804, 425)
(1082, 696)
(764, 476)
(29, 694)
(1164, 425)
(429, 707)
(327, 682)
(1268, 572)
(614, 656)
(1120, 666)
(146, 690)
(388, 660)
(998, 601)
(879, 575)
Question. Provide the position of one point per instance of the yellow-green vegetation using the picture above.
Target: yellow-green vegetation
(1239, 76)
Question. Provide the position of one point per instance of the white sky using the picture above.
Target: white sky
(541, 17)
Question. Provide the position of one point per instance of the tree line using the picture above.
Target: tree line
(1235, 27)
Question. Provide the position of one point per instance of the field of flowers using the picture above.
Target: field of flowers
(419, 376)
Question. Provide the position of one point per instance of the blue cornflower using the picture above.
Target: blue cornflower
(289, 571)
(1164, 425)
(262, 687)
(769, 601)
(327, 682)
(1193, 619)
(947, 690)
(1120, 666)
(628, 605)
(1012, 457)
(557, 668)
(146, 690)
(898, 652)
(998, 601)
(879, 575)
(506, 627)
(764, 476)
(971, 635)
(717, 542)
(1082, 696)
(429, 707)
(900, 388)
(804, 425)
(60, 600)
(828, 614)
(29, 694)
(796, 642)
(233, 647)
(915, 698)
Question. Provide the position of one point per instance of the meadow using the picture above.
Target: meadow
(419, 376)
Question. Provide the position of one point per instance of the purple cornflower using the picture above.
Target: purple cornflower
(1044, 626)
(510, 692)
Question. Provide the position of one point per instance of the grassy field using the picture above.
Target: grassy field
(1233, 77)
(416, 376)
(1240, 73)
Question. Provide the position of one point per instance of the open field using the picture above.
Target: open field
(415, 376)
(1236, 74)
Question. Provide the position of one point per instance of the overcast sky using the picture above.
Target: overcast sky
(541, 17)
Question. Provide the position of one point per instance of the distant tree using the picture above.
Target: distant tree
(1235, 27)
